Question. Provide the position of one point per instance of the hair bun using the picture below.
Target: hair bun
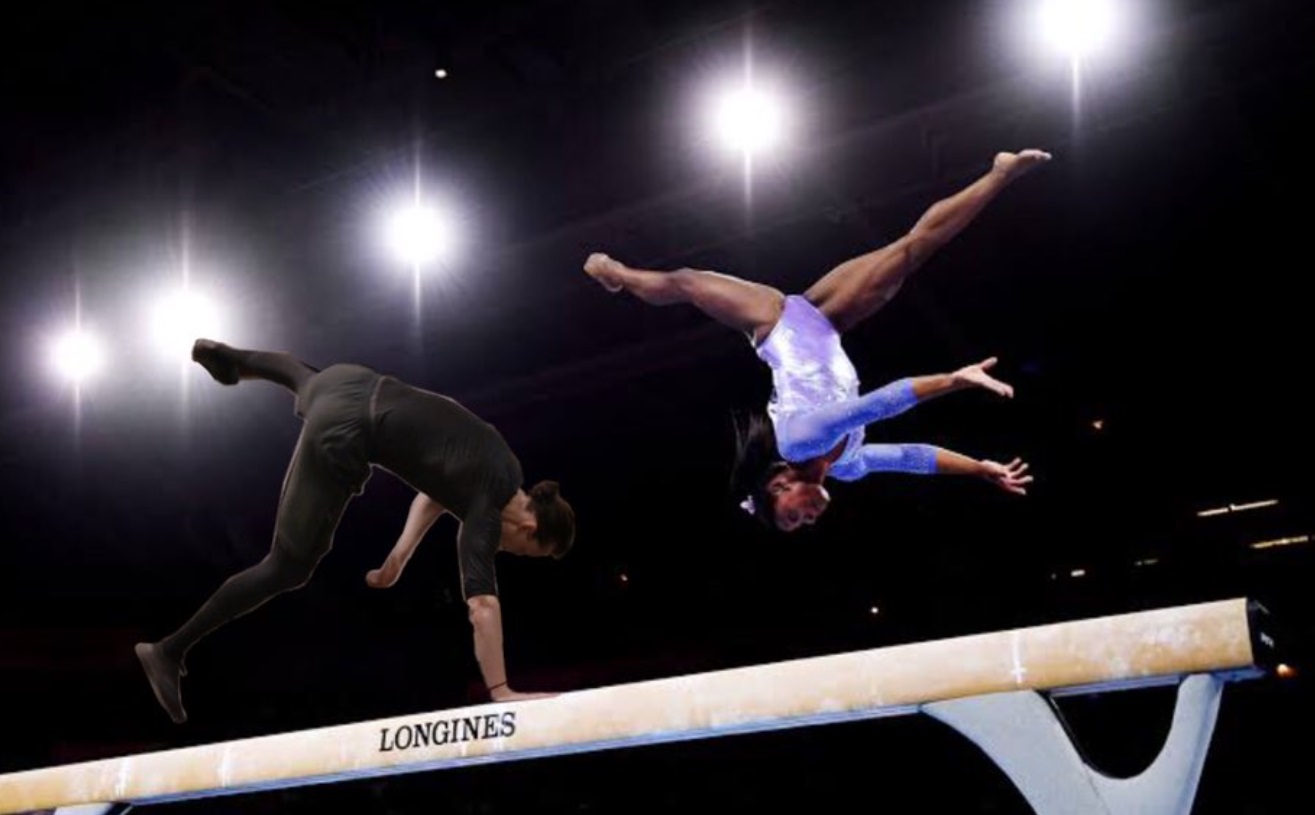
(545, 491)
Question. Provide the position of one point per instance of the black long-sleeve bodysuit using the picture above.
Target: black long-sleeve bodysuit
(354, 418)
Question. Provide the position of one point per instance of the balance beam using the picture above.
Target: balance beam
(987, 686)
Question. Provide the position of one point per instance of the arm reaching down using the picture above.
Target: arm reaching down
(486, 619)
(1011, 477)
(815, 433)
(477, 545)
(926, 459)
(422, 515)
(812, 434)
(915, 459)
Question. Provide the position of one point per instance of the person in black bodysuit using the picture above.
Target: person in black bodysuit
(355, 418)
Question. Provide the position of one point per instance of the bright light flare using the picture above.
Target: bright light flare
(749, 120)
(77, 355)
(179, 317)
(1078, 28)
(419, 234)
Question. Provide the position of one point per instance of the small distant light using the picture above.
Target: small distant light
(1286, 671)
(875, 611)
(624, 578)
(1098, 424)
(1253, 505)
(441, 73)
(1206, 513)
(1288, 541)
(1150, 561)
(1077, 573)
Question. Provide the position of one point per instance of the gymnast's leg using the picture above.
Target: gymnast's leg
(750, 308)
(227, 365)
(858, 288)
(310, 507)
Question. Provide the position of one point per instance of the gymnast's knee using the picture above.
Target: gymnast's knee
(911, 250)
(289, 571)
(683, 281)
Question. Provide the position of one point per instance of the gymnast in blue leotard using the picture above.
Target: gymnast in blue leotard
(817, 415)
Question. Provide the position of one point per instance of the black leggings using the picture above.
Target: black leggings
(274, 366)
(313, 498)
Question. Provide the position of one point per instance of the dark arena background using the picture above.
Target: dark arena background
(1146, 293)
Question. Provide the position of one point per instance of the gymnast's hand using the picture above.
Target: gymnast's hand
(976, 376)
(385, 576)
(1009, 477)
(505, 694)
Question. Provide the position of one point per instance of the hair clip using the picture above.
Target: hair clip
(747, 505)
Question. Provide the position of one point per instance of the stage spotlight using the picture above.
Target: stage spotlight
(178, 318)
(77, 355)
(1078, 28)
(419, 234)
(750, 120)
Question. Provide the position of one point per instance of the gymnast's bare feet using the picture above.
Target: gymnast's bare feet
(605, 270)
(1014, 165)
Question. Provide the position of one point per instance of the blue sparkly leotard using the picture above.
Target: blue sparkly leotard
(815, 403)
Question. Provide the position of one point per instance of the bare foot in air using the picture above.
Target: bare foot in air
(605, 270)
(1013, 165)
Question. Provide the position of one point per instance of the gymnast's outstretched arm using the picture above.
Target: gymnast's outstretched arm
(422, 515)
(927, 459)
(814, 433)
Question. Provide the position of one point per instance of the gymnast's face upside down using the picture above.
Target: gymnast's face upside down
(796, 501)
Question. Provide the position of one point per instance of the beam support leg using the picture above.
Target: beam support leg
(1024, 734)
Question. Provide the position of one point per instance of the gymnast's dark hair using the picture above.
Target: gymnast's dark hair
(556, 519)
(757, 462)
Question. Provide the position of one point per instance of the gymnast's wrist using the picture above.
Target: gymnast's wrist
(957, 381)
(499, 690)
